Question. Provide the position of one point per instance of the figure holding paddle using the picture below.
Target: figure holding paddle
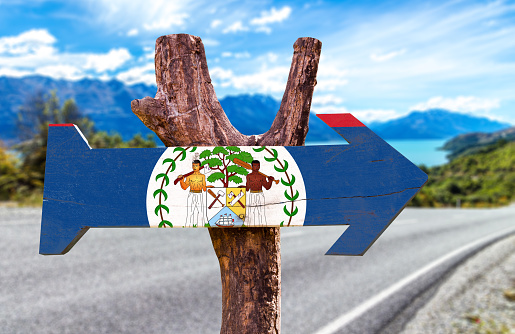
(256, 181)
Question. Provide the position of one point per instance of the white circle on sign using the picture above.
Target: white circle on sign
(225, 201)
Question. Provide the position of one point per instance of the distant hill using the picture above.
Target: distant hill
(108, 104)
(434, 124)
(254, 114)
(483, 179)
(475, 142)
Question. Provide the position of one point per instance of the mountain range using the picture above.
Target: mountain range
(435, 124)
(107, 103)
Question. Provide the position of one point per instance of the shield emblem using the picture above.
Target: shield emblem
(226, 207)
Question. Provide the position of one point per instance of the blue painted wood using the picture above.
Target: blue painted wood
(365, 185)
(90, 188)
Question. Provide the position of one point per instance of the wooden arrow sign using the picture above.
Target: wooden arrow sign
(364, 184)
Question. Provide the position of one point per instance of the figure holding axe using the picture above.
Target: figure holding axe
(196, 215)
(256, 181)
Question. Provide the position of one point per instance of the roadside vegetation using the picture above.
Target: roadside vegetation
(22, 166)
(482, 177)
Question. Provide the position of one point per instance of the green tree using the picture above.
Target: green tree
(8, 174)
(139, 141)
(33, 119)
(102, 139)
(221, 159)
(32, 123)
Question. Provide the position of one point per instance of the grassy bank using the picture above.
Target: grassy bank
(483, 179)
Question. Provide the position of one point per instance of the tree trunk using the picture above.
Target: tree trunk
(185, 112)
(250, 264)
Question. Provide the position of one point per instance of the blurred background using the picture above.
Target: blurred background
(433, 78)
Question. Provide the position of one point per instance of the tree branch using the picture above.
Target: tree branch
(290, 125)
(185, 111)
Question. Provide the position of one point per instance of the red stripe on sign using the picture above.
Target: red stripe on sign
(340, 120)
(67, 124)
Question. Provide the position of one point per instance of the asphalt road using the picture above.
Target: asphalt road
(167, 281)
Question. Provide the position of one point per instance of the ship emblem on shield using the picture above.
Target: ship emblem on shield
(226, 207)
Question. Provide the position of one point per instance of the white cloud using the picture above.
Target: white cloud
(386, 56)
(466, 104)
(364, 115)
(216, 23)
(166, 23)
(67, 72)
(372, 115)
(272, 57)
(330, 83)
(238, 55)
(149, 54)
(266, 80)
(330, 76)
(218, 73)
(104, 77)
(156, 15)
(33, 52)
(10, 72)
(235, 27)
(332, 109)
(268, 17)
(109, 61)
(28, 51)
(332, 104)
(272, 16)
(35, 41)
(327, 99)
(210, 42)
(132, 32)
(140, 74)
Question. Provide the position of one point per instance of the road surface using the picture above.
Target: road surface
(167, 280)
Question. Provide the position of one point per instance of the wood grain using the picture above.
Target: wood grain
(186, 111)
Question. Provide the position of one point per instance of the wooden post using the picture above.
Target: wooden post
(185, 111)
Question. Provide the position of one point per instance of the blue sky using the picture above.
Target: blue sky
(380, 59)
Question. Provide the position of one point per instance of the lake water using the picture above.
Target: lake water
(421, 151)
(417, 151)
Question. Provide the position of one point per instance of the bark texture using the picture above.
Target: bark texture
(250, 264)
(185, 112)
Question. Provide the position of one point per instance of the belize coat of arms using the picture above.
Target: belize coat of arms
(225, 186)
